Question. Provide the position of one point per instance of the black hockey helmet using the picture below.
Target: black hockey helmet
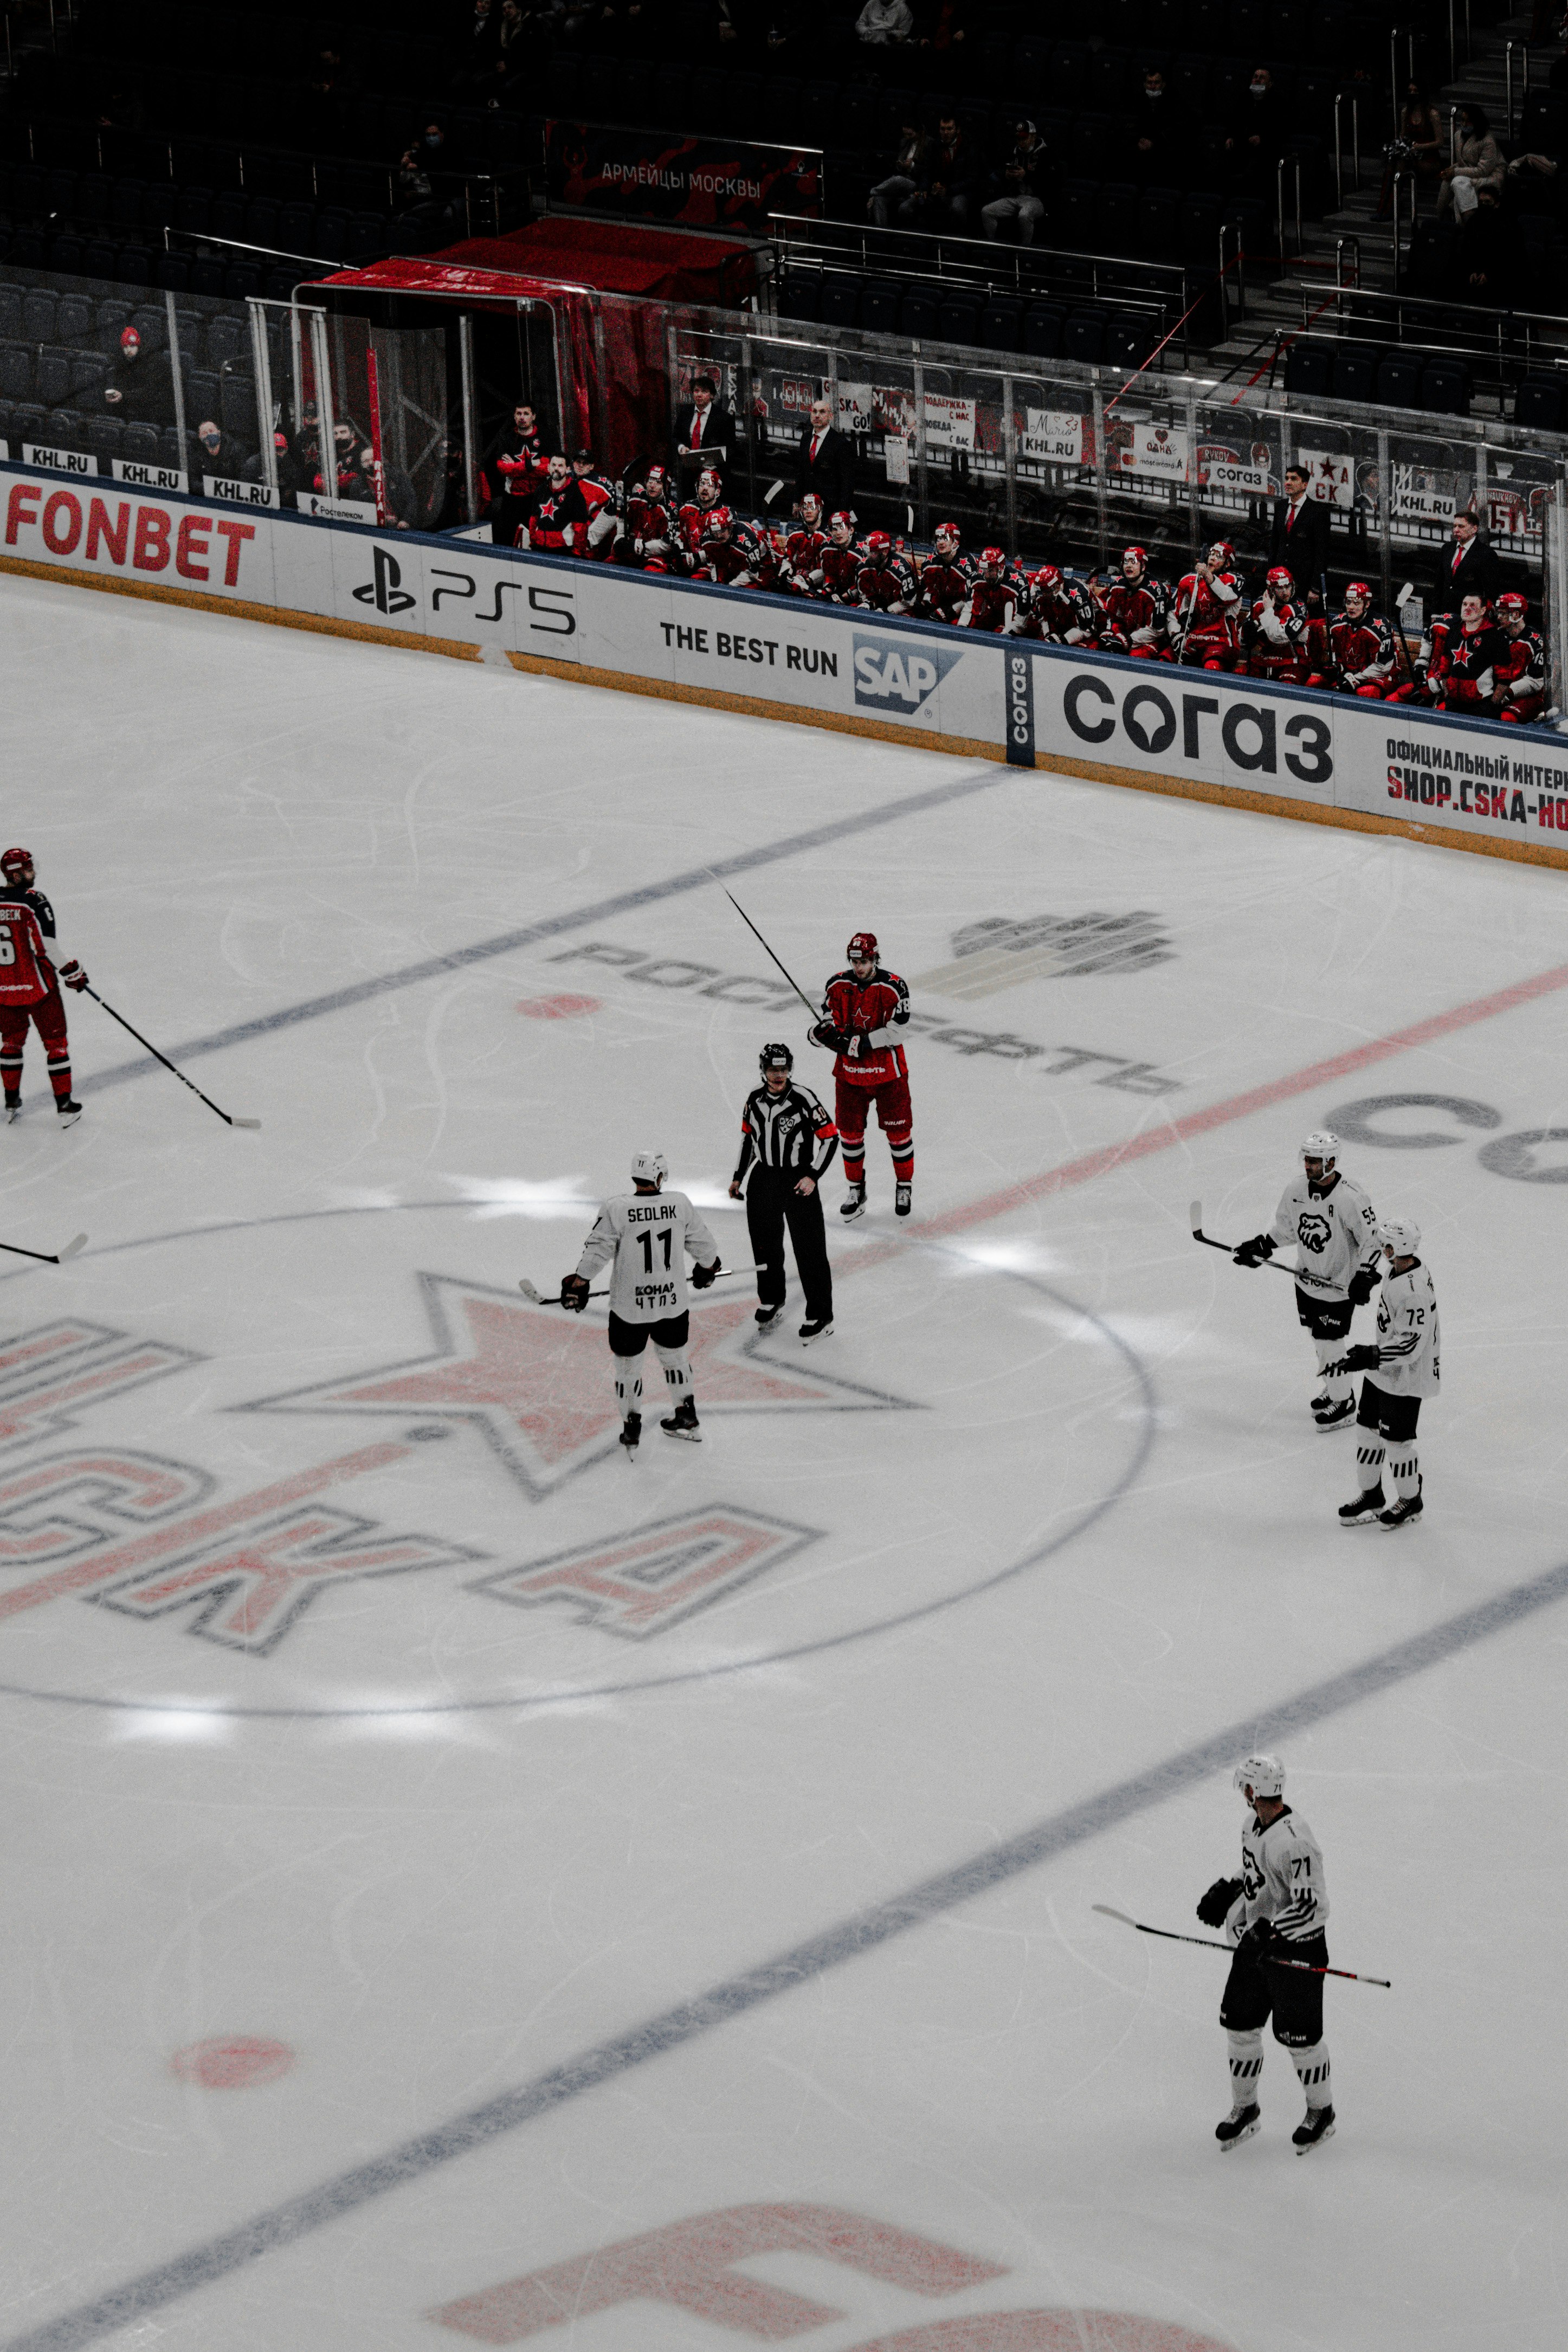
(775, 1057)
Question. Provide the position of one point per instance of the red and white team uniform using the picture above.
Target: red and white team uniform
(32, 964)
(729, 553)
(1362, 651)
(947, 582)
(1137, 609)
(993, 599)
(767, 570)
(554, 514)
(649, 524)
(800, 573)
(1278, 642)
(599, 526)
(886, 582)
(1205, 613)
(1061, 612)
(858, 1019)
(840, 563)
(1520, 676)
(691, 527)
(1463, 673)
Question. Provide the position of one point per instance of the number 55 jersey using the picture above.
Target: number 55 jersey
(647, 1234)
(1335, 1231)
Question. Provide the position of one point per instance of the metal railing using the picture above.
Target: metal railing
(1397, 33)
(1507, 343)
(1407, 181)
(1509, 48)
(1343, 98)
(1288, 171)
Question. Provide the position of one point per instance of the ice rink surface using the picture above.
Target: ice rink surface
(437, 1854)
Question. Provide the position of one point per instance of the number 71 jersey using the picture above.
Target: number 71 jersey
(648, 1235)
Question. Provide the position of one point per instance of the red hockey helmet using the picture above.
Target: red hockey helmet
(717, 522)
(1048, 578)
(810, 500)
(1280, 577)
(862, 949)
(1138, 557)
(843, 521)
(653, 480)
(19, 860)
(1360, 590)
(1511, 601)
(993, 558)
(945, 531)
(878, 545)
(1222, 553)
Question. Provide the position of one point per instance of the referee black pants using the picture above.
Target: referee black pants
(771, 1203)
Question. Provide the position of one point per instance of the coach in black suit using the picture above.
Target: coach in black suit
(1299, 537)
(704, 434)
(826, 462)
(1471, 568)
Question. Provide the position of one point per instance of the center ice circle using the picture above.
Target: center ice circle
(969, 1423)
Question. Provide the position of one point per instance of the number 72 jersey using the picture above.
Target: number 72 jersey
(648, 1235)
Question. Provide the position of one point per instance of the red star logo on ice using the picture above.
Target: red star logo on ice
(537, 1382)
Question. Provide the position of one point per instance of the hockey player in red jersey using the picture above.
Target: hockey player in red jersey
(886, 582)
(1519, 691)
(800, 573)
(1278, 645)
(1205, 612)
(1061, 611)
(729, 553)
(839, 567)
(31, 969)
(1136, 608)
(861, 1008)
(1362, 652)
(690, 524)
(993, 599)
(945, 581)
(650, 523)
(597, 529)
(1463, 673)
(554, 509)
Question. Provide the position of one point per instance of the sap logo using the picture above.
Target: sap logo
(386, 591)
(893, 677)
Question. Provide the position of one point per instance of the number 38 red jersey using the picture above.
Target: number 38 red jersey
(26, 975)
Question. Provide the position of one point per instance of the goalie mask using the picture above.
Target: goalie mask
(649, 1168)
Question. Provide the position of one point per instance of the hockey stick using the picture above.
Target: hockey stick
(536, 1298)
(70, 1250)
(790, 976)
(168, 1064)
(1274, 1960)
(1196, 1214)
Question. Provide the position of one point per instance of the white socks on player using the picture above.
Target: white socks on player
(1403, 1471)
(1369, 1455)
(1312, 2072)
(1329, 1351)
(628, 1383)
(1246, 2065)
(677, 1372)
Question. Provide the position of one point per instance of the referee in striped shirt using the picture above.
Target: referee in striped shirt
(787, 1142)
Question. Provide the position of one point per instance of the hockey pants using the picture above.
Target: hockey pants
(851, 1104)
(771, 1203)
(49, 1017)
(628, 1342)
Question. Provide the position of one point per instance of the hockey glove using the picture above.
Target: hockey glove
(1363, 1359)
(1215, 1908)
(1362, 1284)
(574, 1292)
(705, 1277)
(824, 1033)
(1257, 1941)
(1256, 1252)
(858, 1048)
(73, 975)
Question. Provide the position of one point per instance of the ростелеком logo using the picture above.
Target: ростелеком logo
(897, 675)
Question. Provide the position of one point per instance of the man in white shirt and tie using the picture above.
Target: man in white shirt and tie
(826, 463)
(704, 432)
(1300, 539)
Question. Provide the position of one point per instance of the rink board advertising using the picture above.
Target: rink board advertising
(1474, 783)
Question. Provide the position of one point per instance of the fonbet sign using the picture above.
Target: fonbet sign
(1474, 783)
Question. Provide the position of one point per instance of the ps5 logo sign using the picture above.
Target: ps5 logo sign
(385, 591)
(897, 675)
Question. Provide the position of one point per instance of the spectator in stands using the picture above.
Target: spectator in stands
(881, 22)
(1299, 537)
(1151, 127)
(402, 505)
(481, 44)
(1256, 133)
(513, 49)
(1472, 570)
(825, 462)
(449, 499)
(1483, 253)
(1019, 197)
(704, 434)
(138, 386)
(217, 452)
(939, 25)
(1478, 164)
(287, 471)
(903, 180)
(943, 196)
(1417, 146)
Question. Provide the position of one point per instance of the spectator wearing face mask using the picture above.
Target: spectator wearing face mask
(1152, 135)
(1257, 134)
(285, 464)
(402, 505)
(217, 452)
(1017, 185)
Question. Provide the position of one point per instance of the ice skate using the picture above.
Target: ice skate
(1400, 1513)
(66, 1112)
(1344, 1411)
(12, 1109)
(1365, 1507)
(853, 1202)
(1239, 2125)
(1315, 2127)
(683, 1421)
(768, 1316)
(632, 1434)
(901, 1200)
(821, 1328)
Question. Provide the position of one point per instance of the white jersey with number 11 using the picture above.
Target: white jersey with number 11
(648, 1235)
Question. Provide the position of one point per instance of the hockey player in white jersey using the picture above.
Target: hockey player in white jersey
(1335, 1229)
(1277, 1906)
(1404, 1362)
(647, 1234)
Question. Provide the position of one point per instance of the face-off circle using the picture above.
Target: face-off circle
(293, 1542)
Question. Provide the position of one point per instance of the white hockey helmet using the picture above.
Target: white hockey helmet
(1321, 1145)
(1263, 1776)
(649, 1168)
(1400, 1236)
